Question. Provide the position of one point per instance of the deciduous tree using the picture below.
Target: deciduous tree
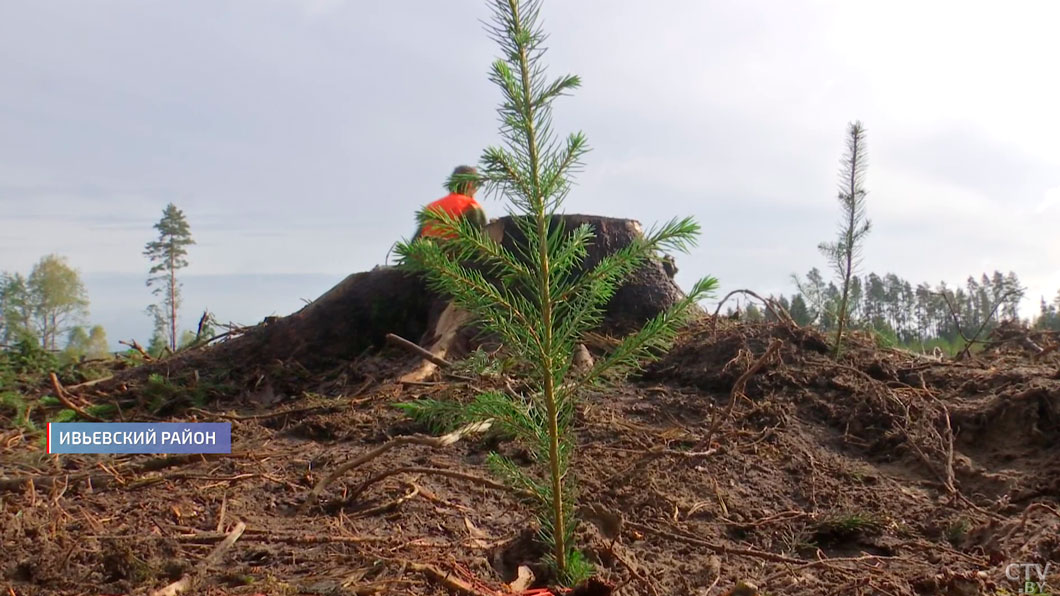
(57, 298)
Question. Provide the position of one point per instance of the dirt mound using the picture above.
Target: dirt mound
(883, 472)
(990, 424)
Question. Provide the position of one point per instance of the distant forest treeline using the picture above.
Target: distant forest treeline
(920, 316)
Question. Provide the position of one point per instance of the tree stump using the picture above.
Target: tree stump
(356, 314)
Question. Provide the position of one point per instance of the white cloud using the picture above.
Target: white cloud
(1050, 203)
(301, 135)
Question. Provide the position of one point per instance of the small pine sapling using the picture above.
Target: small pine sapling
(845, 253)
(531, 297)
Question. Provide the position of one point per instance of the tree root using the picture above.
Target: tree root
(486, 482)
(778, 311)
(392, 505)
(736, 392)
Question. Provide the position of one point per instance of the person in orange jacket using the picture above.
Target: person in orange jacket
(460, 202)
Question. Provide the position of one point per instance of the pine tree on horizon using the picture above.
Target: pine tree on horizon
(168, 253)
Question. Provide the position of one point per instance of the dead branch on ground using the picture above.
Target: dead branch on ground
(230, 330)
(60, 393)
(436, 442)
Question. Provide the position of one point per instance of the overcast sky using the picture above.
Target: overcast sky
(300, 136)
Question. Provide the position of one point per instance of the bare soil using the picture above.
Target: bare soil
(882, 473)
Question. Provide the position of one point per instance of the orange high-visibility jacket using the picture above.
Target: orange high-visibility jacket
(456, 205)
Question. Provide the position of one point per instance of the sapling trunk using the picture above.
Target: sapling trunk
(544, 284)
(172, 303)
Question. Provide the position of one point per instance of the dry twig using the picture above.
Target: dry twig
(256, 536)
(1024, 516)
(635, 573)
(411, 347)
(132, 343)
(825, 563)
(90, 383)
(221, 513)
(650, 456)
(678, 536)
